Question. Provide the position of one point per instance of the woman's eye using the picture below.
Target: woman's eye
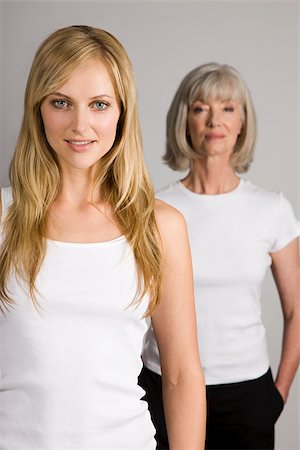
(61, 104)
(229, 109)
(198, 109)
(100, 105)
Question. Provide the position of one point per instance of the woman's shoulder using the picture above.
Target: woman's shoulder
(170, 191)
(268, 203)
(260, 194)
(164, 210)
(169, 220)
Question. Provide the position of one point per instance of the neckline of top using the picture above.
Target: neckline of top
(116, 240)
(211, 196)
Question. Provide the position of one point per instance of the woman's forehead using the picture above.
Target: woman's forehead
(221, 90)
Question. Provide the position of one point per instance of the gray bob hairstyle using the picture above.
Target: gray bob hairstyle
(209, 81)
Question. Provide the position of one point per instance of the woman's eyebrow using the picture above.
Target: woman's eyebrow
(101, 95)
(60, 94)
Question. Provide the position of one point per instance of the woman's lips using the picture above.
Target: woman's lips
(213, 136)
(79, 145)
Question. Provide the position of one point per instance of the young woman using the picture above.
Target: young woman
(87, 256)
(237, 230)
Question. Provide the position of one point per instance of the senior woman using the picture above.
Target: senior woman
(237, 230)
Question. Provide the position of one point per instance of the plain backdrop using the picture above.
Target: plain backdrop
(165, 40)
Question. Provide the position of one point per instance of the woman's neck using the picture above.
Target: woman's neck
(76, 188)
(210, 178)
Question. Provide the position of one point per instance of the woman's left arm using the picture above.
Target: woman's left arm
(174, 324)
(286, 272)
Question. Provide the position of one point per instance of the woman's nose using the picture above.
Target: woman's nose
(213, 118)
(80, 121)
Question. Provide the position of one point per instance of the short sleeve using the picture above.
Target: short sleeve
(287, 227)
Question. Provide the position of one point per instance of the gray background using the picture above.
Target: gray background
(165, 40)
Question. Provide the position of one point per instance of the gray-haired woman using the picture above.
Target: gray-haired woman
(237, 230)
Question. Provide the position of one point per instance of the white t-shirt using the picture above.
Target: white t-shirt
(68, 371)
(231, 236)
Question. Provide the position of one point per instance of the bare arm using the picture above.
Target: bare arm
(286, 271)
(174, 323)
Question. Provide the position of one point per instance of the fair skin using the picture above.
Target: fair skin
(174, 323)
(80, 121)
(80, 124)
(214, 127)
(286, 272)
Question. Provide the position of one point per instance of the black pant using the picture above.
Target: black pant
(240, 416)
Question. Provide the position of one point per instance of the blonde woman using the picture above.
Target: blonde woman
(237, 230)
(87, 257)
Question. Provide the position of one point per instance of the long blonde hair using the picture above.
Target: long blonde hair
(122, 174)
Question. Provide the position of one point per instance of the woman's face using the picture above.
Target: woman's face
(214, 126)
(81, 118)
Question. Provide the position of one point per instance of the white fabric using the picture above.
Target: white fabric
(231, 236)
(68, 371)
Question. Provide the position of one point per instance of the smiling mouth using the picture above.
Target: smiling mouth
(79, 142)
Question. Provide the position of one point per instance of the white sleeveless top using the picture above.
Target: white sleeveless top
(68, 371)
